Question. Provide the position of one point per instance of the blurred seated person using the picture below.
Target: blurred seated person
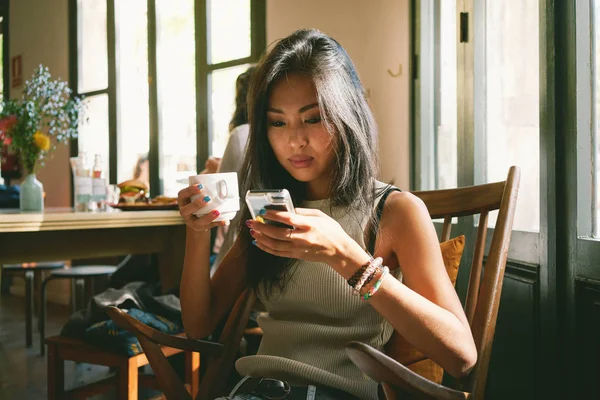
(141, 171)
(232, 159)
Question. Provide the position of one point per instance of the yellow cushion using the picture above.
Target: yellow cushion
(399, 349)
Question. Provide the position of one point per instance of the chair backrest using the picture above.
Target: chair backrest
(218, 370)
(220, 357)
(483, 295)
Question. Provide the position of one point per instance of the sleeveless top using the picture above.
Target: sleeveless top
(308, 325)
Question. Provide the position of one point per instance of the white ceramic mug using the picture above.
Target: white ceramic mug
(222, 188)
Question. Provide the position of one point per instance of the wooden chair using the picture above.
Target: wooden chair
(221, 354)
(126, 379)
(483, 296)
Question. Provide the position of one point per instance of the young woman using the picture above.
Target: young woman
(311, 132)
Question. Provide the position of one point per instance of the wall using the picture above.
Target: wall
(39, 33)
(376, 36)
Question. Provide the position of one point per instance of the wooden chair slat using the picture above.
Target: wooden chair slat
(462, 201)
(168, 380)
(476, 266)
(447, 228)
(486, 311)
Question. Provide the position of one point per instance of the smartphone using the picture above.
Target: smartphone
(269, 199)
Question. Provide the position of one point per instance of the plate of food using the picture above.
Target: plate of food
(133, 196)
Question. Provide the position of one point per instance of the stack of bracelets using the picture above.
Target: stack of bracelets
(365, 275)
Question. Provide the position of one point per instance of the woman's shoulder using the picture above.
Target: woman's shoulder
(240, 131)
(400, 206)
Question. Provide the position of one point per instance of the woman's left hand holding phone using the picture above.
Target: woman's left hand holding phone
(188, 208)
(315, 237)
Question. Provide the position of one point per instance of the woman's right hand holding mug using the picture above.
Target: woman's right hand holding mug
(188, 208)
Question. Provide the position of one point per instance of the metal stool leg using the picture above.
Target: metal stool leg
(80, 293)
(42, 319)
(29, 276)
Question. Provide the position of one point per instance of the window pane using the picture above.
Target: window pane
(92, 46)
(511, 126)
(446, 140)
(133, 142)
(177, 92)
(229, 30)
(93, 134)
(595, 10)
(222, 105)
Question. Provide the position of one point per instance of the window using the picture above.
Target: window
(446, 126)
(92, 79)
(508, 123)
(159, 80)
(478, 116)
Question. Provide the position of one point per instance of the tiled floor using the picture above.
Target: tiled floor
(23, 370)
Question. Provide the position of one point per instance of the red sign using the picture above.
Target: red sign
(17, 71)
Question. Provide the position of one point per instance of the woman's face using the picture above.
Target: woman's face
(299, 140)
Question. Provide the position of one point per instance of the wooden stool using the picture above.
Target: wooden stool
(29, 271)
(79, 276)
(126, 379)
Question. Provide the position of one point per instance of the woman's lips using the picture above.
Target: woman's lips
(301, 162)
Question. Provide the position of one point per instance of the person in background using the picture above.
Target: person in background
(141, 170)
(232, 160)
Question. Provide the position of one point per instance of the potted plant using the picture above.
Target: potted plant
(45, 115)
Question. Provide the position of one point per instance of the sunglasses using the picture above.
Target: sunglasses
(272, 389)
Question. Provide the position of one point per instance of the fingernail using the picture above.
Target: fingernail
(252, 232)
(216, 213)
(254, 243)
(249, 223)
(200, 186)
(262, 211)
(206, 199)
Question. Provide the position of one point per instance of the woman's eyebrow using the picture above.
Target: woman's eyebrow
(300, 110)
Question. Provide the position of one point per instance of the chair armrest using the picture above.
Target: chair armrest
(382, 368)
(136, 327)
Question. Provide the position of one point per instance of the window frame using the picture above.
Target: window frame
(588, 247)
(203, 70)
(5, 27)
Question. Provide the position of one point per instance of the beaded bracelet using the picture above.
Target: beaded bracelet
(355, 278)
(377, 284)
(374, 266)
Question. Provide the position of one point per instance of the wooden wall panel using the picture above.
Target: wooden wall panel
(587, 301)
(514, 355)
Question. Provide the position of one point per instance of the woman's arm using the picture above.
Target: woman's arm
(424, 309)
(206, 301)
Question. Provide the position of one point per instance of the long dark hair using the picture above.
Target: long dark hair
(345, 114)
(240, 115)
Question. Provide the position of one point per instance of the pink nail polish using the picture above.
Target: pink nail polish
(249, 223)
(216, 213)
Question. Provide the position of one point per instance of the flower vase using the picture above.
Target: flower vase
(31, 197)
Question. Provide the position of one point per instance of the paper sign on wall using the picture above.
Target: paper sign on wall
(17, 71)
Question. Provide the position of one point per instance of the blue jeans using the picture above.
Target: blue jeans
(296, 393)
(241, 397)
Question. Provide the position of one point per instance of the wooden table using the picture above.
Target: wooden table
(62, 233)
